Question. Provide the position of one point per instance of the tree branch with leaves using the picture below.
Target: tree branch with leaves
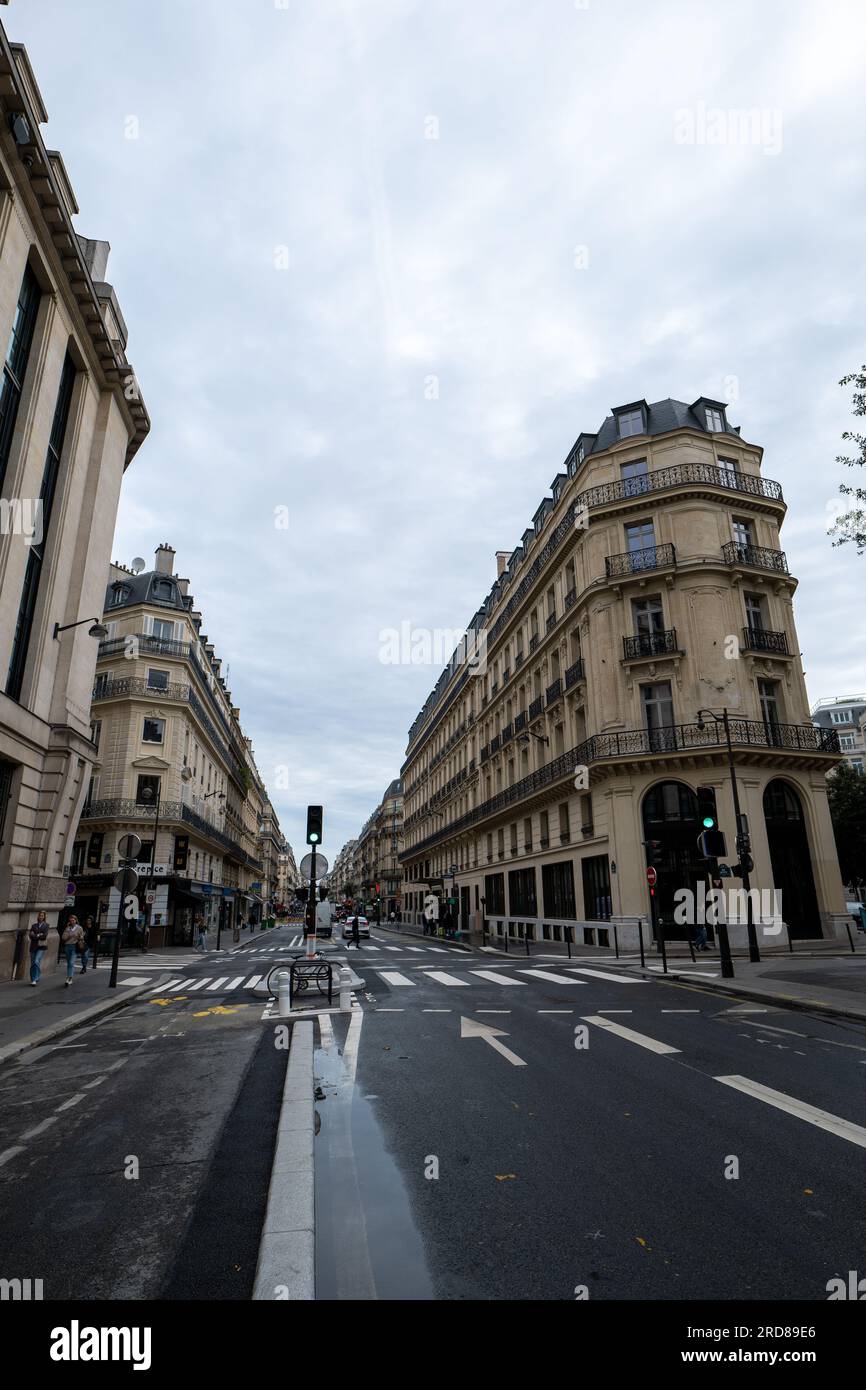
(851, 525)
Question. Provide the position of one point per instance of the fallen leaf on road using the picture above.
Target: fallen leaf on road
(503, 1177)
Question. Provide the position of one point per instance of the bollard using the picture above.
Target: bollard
(284, 994)
(345, 987)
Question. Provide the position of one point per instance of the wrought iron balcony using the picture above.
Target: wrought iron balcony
(494, 744)
(507, 734)
(536, 707)
(518, 659)
(533, 641)
(551, 621)
(554, 690)
(758, 556)
(573, 674)
(761, 639)
(137, 685)
(679, 475)
(651, 557)
(125, 809)
(571, 598)
(506, 674)
(650, 644)
(520, 721)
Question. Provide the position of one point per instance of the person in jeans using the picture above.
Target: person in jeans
(38, 934)
(201, 937)
(91, 944)
(73, 941)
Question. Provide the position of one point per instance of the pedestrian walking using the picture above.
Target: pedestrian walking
(38, 935)
(91, 943)
(73, 942)
(699, 938)
(356, 932)
(236, 931)
(201, 935)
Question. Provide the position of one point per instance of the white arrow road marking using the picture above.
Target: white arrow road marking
(629, 1034)
(843, 1129)
(469, 1028)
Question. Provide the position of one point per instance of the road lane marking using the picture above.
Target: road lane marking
(171, 984)
(437, 1011)
(616, 1011)
(445, 979)
(680, 1011)
(326, 1032)
(68, 1104)
(554, 1011)
(651, 1044)
(551, 975)
(197, 984)
(390, 1011)
(493, 1011)
(353, 1042)
(8, 1154)
(469, 1028)
(233, 984)
(606, 975)
(40, 1128)
(834, 1124)
(253, 981)
(497, 978)
(393, 977)
(221, 981)
(418, 949)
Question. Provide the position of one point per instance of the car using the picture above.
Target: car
(858, 912)
(349, 926)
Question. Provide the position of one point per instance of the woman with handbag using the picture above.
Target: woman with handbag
(90, 943)
(72, 940)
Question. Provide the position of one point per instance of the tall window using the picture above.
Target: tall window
(163, 629)
(640, 536)
(754, 612)
(658, 711)
(17, 355)
(596, 887)
(521, 893)
(768, 695)
(36, 557)
(742, 532)
(648, 615)
(715, 420)
(727, 472)
(635, 478)
(558, 888)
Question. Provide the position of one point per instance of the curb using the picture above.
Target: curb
(761, 996)
(419, 936)
(44, 1035)
(286, 1263)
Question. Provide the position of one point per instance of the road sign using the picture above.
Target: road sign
(149, 897)
(724, 871)
(453, 871)
(126, 881)
(321, 865)
(70, 890)
(129, 846)
(651, 877)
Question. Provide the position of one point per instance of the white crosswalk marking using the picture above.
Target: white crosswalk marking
(372, 948)
(393, 977)
(184, 984)
(158, 989)
(418, 949)
(444, 979)
(199, 984)
(551, 975)
(233, 984)
(216, 984)
(497, 978)
(440, 950)
(398, 949)
(253, 981)
(606, 975)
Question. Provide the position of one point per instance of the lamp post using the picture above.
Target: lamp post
(743, 844)
(97, 629)
(147, 797)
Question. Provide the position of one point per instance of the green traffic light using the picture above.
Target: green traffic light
(709, 822)
(314, 838)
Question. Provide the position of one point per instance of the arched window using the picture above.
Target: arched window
(781, 802)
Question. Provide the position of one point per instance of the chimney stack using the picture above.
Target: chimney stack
(164, 563)
(502, 557)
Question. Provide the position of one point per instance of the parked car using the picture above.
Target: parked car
(349, 926)
(858, 912)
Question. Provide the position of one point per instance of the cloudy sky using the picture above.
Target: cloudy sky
(382, 260)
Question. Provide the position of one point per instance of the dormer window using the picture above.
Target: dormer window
(630, 422)
(119, 594)
(715, 420)
(163, 589)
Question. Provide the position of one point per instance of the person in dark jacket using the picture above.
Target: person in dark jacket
(91, 943)
(38, 935)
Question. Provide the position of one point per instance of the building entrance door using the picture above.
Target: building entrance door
(791, 860)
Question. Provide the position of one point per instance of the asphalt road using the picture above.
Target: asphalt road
(452, 1162)
(600, 1166)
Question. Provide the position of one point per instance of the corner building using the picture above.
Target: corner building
(651, 585)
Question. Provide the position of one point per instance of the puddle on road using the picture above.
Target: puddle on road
(367, 1244)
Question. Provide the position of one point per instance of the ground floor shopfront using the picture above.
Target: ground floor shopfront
(168, 911)
(603, 880)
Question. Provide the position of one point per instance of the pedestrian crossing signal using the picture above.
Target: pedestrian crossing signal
(314, 825)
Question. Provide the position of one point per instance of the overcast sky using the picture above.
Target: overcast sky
(382, 260)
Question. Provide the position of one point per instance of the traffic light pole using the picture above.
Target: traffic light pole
(311, 939)
(754, 953)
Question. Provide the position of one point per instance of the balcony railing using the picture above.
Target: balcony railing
(571, 598)
(634, 743)
(507, 734)
(137, 685)
(551, 621)
(651, 557)
(573, 674)
(536, 707)
(533, 641)
(125, 809)
(760, 639)
(519, 721)
(554, 690)
(679, 475)
(494, 744)
(758, 556)
(650, 644)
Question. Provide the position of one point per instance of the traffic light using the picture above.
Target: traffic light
(654, 853)
(314, 825)
(711, 840)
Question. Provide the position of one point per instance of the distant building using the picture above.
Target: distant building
(846, 717)
(71, 421)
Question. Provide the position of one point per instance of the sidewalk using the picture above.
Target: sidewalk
(29, 1017)
(406, 929)
(831, 984)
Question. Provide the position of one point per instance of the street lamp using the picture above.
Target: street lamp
(97, 629)
(743, 844)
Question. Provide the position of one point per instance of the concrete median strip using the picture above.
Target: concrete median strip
(286, 1264)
